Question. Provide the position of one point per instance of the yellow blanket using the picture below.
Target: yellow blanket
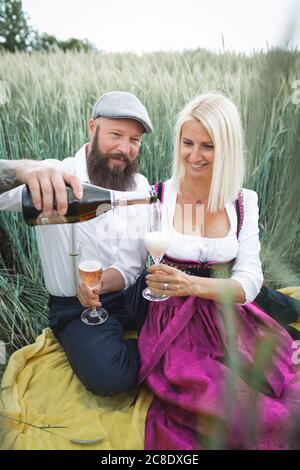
(39, 388)
(293, 291)
(42, 390)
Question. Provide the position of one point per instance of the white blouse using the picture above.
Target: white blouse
(245, 250)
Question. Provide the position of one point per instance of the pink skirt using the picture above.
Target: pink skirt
(220, 381)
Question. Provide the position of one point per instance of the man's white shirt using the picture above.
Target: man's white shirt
(114, 238)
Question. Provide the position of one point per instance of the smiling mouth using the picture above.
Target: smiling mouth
(198, 166)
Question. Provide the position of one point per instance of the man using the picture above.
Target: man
(103, 361)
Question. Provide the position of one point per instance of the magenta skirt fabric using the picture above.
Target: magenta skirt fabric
(207, 398)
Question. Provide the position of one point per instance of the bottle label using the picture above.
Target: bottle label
(102, 208)
(54, 219)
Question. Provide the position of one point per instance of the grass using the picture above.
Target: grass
(49, 100)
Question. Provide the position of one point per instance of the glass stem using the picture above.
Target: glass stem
(94, 311)
(156, 260)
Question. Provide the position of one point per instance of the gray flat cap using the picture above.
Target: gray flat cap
(122, 105)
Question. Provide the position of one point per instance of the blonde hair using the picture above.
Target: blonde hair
(222, 121)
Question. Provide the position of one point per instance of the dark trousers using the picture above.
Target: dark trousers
(102, 360)
(282, 308)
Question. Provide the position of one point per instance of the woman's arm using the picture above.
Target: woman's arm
(215, 289)
(181, 284)
(247, 266)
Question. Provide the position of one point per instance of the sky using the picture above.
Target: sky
(151, 25)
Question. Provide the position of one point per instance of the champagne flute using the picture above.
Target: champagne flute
(157, 242)
(90, 271)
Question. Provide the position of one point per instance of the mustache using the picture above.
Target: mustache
(116, 156)
(102, 175)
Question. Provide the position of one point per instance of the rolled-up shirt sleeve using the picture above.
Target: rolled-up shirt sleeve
(247, 267)
(130, 263)
(12, 200)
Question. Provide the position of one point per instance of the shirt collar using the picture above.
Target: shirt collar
(81, 164)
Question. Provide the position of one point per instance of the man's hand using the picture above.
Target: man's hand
(87, 296)
(111, 281)
(46, 181)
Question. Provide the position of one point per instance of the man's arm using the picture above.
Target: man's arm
(44, 180)
(8, 176)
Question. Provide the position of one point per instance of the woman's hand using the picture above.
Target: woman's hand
(163, 279)
(87, 296)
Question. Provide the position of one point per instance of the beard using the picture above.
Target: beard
(100, 174)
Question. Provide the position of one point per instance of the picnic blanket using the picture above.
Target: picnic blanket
(40, 389)
(43, 405)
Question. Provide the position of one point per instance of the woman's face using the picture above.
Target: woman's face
(196, 150)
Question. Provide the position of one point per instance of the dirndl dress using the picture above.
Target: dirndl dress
(222, 377)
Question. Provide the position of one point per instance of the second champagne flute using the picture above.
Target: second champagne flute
(90, 272)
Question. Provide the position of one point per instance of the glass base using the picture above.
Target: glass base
(147, 294)
(94, 317)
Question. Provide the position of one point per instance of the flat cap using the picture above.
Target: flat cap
(122, 105)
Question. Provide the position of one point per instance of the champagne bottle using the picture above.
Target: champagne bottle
(95, 201)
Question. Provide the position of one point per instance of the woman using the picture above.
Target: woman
(221, 377)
